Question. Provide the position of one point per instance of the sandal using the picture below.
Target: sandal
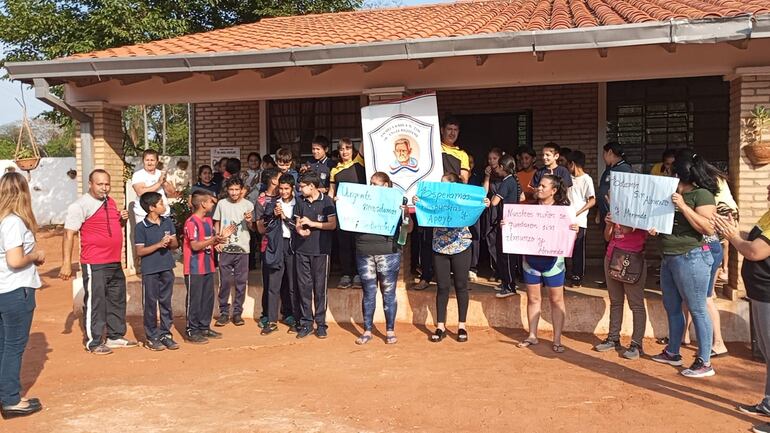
(558, 348)
(363, 339)
(391, 339)
(715, 354)
(462, 335)
(438, 335)
(526, 343)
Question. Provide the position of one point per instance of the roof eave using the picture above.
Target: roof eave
(668, 32)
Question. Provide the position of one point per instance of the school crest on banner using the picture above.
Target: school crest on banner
(402, 139)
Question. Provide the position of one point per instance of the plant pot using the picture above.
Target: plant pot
(27, 164)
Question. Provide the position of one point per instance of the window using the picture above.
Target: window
(294, 122)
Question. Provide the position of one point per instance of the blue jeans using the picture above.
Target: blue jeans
(718, 254)
(16, 309)
(383, 269)
(686, 277)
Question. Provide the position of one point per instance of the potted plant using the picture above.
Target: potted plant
(26, 157)
(758, 152)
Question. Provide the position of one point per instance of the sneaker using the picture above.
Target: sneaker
(289, 321)
(472, 277)
(667, 358)
(238, 321)
(293, 329)
(576, 282)
(422, 285)
(504, 293)
(169, 342)
(304, 331)
(607, 345)
(211, 334)
(269, 328)
(100, 350)
(222, 320)
(154, 345)
(196, 338)
(761, 428)
(321, 332)
(634, 351)
(345, 282)
(262, 321)
(757, 409)
(356, 281)
(498, 288)
(698, 369)
(120, 343)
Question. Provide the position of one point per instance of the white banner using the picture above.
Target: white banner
(402, 139)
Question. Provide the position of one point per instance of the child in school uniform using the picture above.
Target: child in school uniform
(582, 198)
(315, 219)
(551, 154)
(269, 182)
(276, 223)
(508, 192)
(320, 162)
(155, 237)
(199, 267)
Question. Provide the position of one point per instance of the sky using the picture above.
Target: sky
(10, 110)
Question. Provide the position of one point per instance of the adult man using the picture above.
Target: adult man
(455, 159)
(402, 150)
(96, 216)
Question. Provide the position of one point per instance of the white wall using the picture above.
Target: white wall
(52, 190)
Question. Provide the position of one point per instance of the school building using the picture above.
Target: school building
(652, 74)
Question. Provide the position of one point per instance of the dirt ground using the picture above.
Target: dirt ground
(249, 383)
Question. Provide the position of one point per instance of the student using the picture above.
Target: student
(266, 199)
(274, 221)
(219, 169)
(253, 176)
(476, 178)
(546, 271)
(150, 178)
(508, 192)
(614, 159)
(19, 258)
(284, 161)
(320, 162)
(155, 240)
(316, 219)
(490, 216)
(686, 267)
(582, 198)
(199, 268)
(232, 168)
(350, 168)
(666, 166)
(525, 158)
(451, 255)
(564, 156)
(551, 167)
(378, 258)
(234, 255)
(268, 162)
(206, 180)
(631, 240)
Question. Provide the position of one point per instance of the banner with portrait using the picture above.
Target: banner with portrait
(402, 139)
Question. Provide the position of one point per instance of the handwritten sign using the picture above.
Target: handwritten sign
(368, 209)
(643, 201)
(538, 230)
(446, 204)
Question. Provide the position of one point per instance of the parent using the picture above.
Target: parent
(755, 249)
(150, 179)
(96, 216)
(19, 257)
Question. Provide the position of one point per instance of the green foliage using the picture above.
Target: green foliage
(7, 148)
(61, 144)
(180, 211)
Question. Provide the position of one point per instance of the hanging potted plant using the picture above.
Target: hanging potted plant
(26, 157)
(758, 152)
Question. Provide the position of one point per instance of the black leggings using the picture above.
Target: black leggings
(460, 264)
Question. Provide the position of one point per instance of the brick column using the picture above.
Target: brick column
(748, 182)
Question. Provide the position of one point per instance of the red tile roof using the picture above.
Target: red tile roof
(434, 21)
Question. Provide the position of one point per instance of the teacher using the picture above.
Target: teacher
(19, 258)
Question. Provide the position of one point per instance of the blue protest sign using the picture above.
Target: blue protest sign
(643, 201)
(447, 204)
(368, 209)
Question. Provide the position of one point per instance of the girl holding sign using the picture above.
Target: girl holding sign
(546, 271)
(451, 255)
(378, 259)
(686, 267)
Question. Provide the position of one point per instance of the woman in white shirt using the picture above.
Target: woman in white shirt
(19, 258)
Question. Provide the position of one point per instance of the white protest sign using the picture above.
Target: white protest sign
(643, 201)
(402, 139)
(218, 153)
(538, 230)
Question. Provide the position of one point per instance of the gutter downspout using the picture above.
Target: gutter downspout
(43, 93)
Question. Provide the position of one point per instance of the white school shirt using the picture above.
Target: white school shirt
(14, 233)
(288, 209)
(581, 190)
(142, 176)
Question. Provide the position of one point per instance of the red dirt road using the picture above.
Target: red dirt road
(250, 383)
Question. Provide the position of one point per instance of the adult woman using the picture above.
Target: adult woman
(539, 271)
(378, 258)
(490, 216)
(686, 266)
(19, 257)
(755, 249)
(451, 255)
(206, 180)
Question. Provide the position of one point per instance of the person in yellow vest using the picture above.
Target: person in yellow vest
(666, 166)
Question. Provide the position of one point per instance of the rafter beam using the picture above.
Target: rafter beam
(671, 48)
(133, 79)
(540, 55)
(424, 63)
(480, 60)
(370, 66)
(174, 77)
(85, 82)
(221, 75)
(319, 69)
(741, 44)
(269, 72)
(603, 52)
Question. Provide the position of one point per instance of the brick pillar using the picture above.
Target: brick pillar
(748, 182)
